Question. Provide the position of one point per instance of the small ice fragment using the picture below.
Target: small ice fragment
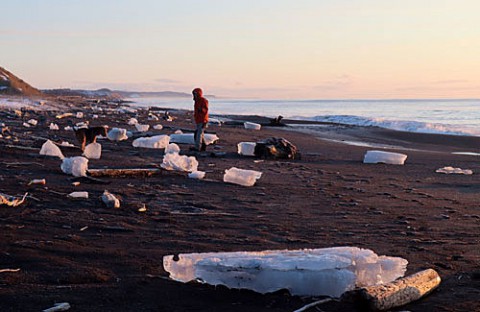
(174, 161)
(132, 121)
(110, 200)
(197, 175)
(54, 126)
(62, 306)
(68, 128)
(26, 125)
(64, 143)
(178, 131)
(158, 127)
(373, 157)
(157, 141)
(117, 134)
(33, 122)
(172, 148)
(252, 125)
(50, 149)
(78, 195)
(93, 151)
(142, 128)
(241, 176)
(450, 170)
(76, 166)
(94, 116)
(246, 148)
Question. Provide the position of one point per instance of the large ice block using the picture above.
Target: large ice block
(156, 141)
(50, 149)
(373, 157)
(188, 138)
(241, 176)
(246, 148)
(174, 161)
(307, 272)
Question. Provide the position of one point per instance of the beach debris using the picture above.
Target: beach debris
(111, 172)
(78, 195)
(53, 126)
(26, 125)
(307, 272)
(110, 200)
(76, 166)
(12, 201)
(142, 128)
(174, 161)
(62, 306)
(93, 151)
(33, 122)
(37, 181)
(84, 228)
(51, 149)
(197, 175)
(275, 148)
(188, 138)
(158, 127)
(452, 170)
(172, 148)
(374, 157)
(94, 116)
(117, 134)
(143, 208)
(252, 126)
(156, 141)
(64, 115)
(79, 115)
(241, 176)
(132, 121)
(76, 183)
(9, 270)
(246, 148)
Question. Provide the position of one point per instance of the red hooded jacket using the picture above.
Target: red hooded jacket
(200, 107)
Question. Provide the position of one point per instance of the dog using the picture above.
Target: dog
(89, 135)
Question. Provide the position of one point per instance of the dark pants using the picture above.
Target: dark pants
(199, 135)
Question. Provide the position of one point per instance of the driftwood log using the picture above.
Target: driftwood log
(123, 172)
(397, 293)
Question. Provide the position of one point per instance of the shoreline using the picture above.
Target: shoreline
(104, 259)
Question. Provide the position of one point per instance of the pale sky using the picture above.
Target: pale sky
(302, 49)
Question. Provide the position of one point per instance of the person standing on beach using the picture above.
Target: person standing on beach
(201, 118)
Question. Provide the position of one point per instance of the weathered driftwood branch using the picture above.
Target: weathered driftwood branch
(12, 200)
(399, 292)
(122, 172)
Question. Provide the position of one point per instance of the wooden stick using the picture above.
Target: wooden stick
(401, 291)
(122, 172)
(313, 304)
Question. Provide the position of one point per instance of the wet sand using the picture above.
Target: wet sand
(105, 259)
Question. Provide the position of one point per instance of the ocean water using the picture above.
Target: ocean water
(459, 117)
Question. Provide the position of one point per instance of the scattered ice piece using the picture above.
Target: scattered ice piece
(252, 125)
(54, 126)
(187, 138)
(126, 109)
(132, 121)
(33, 122)
(174, 161)
(93, 151)
(76, 166)
(79, 115)
(50, 149)
(241, 176)
(157, 141)
(37, 181)
(307, 272)
(158, 127)
(178, 131)
(117, 134)
(450, 170)
(78, 195)
(62, 306)
(110, 200)
(197, 175)
(246, 148)
(373, 157)
(94, 116)
(172, 148)
(27, 125)
(142, 128)
(68, 128)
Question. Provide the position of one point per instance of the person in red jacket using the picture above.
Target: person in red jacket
(201, 118)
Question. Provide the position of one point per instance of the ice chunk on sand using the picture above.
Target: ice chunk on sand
(174, 161)
(117, 134)
(78, 195)
(51, 149)
(142, 128)
(252, 125)
(33, 122)
(450, 170)
(132, 121)
(157, 141)
(54, 126)
(241, 176)
(172, 148)
(197, 175)
(373, 157)
(246, 148)
(158, 127)
(79, 115)
(76, 166)
(93, 151)
(187, 138)
(307, 272)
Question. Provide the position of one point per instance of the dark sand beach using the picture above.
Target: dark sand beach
(105, 259)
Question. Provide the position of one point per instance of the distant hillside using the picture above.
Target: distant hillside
(12, 85)
(118, 93)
